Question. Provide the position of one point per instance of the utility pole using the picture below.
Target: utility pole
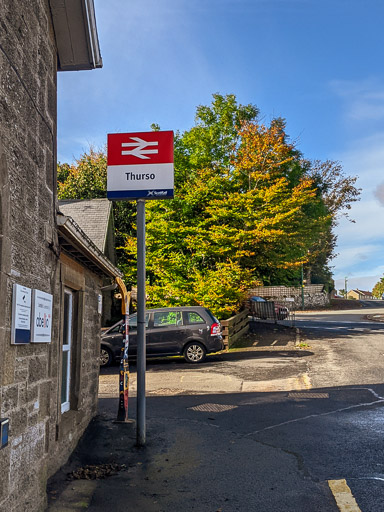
(346, 287)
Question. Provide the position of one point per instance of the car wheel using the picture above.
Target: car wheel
(195, 352)
(105, 357)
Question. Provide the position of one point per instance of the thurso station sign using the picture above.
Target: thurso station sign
(140, 165)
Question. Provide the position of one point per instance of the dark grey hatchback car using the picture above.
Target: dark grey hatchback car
(189, 331)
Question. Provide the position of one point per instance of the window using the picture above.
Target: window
(165, 318)
(66, 352)
(133, 323)
(194, 318)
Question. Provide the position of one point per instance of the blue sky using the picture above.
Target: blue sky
(318, 64)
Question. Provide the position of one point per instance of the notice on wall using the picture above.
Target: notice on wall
(21, 315)
(41, 324)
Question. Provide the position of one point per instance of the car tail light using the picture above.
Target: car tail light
(215, 329)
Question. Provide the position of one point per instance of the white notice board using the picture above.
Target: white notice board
(21, 315)
(41, 325)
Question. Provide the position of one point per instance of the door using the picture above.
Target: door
(167, 333)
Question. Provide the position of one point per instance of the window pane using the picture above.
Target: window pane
(64, 377)
(67, 318)
(133, 323)
(66, 352)
(194, 318)
(163, 318)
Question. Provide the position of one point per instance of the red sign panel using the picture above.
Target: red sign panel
(140, 148)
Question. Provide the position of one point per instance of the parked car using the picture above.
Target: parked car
(268, 309)
(189, 331)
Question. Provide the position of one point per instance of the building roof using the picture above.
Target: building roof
(77, 244)
(92, 216)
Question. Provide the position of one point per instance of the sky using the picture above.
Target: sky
(318, 64)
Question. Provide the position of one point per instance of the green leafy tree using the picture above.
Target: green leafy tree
(88, 180)
(248, 210)
(245, 212)
(378, 289)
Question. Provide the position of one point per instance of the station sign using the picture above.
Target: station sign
(140, 165)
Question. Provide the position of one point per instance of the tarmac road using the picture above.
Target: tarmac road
(264, 430)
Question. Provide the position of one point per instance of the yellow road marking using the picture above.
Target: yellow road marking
(343, 496)
(303, 382)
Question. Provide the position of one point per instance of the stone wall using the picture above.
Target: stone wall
(27, 135)
(314, 295)
(40, 437)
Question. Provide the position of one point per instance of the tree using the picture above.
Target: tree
(248, 210)
(338, 192)
(378, 289)
(88, 180)
(247, 217)
(85, 180)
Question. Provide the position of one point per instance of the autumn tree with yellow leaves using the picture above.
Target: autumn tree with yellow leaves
(248, 210)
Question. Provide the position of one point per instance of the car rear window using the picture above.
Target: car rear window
(194, 318)
(211, 316)
(164, 318)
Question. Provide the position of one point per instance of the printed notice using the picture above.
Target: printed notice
(41, 317)
(21, 315)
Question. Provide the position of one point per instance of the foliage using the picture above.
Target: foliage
(378, 289)
(248, 210)
(248, 217)
(88, 180)
(63, 171)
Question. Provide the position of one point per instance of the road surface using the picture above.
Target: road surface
(275, 429)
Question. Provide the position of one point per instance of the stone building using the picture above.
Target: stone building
(95, 218)
(48, 385)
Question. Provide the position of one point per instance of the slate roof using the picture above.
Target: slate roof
(92, 216)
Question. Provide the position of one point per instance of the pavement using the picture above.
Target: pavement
(201, 453)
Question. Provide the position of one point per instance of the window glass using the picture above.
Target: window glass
(133, 323)
(64, 377)
(165, 318)
(66, 350)
(194, 318)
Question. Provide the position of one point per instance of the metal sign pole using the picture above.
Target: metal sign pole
(141, 349)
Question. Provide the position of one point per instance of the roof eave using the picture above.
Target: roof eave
(79, 246)
(76, 36)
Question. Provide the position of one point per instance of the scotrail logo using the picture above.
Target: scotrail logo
(155, 193)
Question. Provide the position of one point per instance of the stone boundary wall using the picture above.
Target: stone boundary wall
(314, 295)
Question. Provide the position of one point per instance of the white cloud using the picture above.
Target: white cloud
(349, 257)
(362, 283)
(364, 99)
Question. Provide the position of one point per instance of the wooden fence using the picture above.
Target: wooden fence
(235, 327)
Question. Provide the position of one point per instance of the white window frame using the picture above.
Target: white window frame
(67, 344)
